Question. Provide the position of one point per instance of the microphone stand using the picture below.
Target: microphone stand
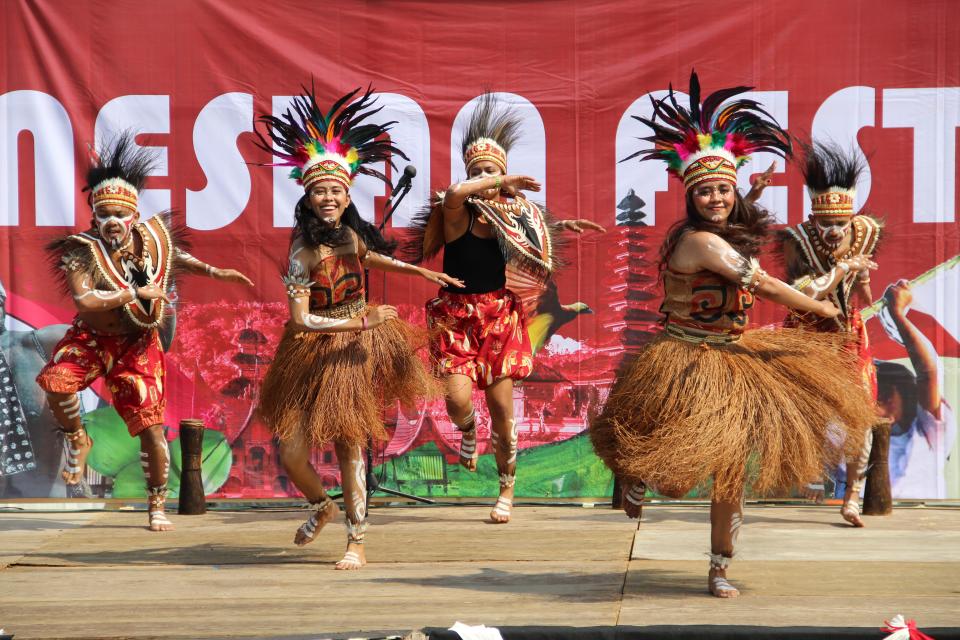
(373, 483)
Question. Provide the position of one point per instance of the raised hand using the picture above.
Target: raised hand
(898, 296)
(759, 183)
(521, 183)
(861, 263)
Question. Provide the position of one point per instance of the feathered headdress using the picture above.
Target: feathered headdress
(118, 171)
(709, 141)
(336, 145)
(492, 130)
(831, 173)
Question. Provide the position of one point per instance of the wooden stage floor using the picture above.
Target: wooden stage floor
(236, 574)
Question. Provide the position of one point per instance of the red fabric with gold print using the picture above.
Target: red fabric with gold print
(132, 364)
(337, 279)
(481, 335)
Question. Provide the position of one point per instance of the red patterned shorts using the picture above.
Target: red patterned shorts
(481, 335)
(132, 365)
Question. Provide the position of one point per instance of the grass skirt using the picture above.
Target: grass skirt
(789, 400)
(335, 386)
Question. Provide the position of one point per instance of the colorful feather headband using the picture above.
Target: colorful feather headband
(709, 141)
(336, 145)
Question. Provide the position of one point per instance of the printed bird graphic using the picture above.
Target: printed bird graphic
(541, 302)
(551, 315)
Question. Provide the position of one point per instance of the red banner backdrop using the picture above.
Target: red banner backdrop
(192, 75)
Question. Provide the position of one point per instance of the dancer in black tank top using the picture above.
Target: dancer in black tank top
(479, 333)
(475, 260)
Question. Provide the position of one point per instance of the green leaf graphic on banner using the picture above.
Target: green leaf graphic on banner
(113, 448)
(115, 454)
(564, 469)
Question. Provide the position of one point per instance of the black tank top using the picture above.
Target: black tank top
(477, 261)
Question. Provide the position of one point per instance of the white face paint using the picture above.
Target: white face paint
(114, 224)
(832, 231)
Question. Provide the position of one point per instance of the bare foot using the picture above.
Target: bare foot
(718, 585)
(500, 514)
(159, 521)
(632, 499)
(468, 449)
(353, 559)
(79, 444)
(309, 530)
(850, 511)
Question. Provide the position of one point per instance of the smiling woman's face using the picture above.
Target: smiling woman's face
(328, 199)
(714, 200)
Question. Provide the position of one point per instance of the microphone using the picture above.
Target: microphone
(402, 188)
(409, 172)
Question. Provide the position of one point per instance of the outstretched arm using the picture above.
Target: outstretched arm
(374, 260)
(457, 194)
(702, 250)
(922, 354)
(187, 262)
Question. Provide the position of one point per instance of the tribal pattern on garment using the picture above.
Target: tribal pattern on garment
(820, 260)
(87, 251)
(522, 229)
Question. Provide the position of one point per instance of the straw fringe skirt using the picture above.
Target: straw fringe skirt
(683, 412)
(335, 386)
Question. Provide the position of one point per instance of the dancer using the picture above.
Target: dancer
(341, 361)
(708, 394)
(478, 334)
(829, 257)
(119, 273)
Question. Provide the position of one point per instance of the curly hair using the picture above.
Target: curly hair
(747, 228)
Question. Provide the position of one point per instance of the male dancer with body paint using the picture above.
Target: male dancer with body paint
(119, 273)
(829, 257)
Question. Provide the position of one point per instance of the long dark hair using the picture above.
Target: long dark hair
(747, 228)
(314, 233)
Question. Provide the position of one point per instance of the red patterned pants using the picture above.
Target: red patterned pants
(481, 335)
(132, 366)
